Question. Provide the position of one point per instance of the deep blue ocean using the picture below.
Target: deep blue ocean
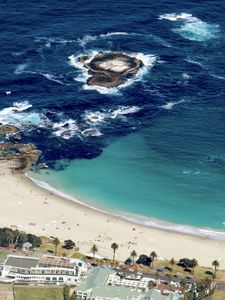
(155, 151)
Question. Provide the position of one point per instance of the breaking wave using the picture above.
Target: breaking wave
(170, 105)
(65, 129)
(192, 28)
(15, 115)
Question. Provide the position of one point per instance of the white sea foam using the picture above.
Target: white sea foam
(86, 39)
(52, 77)
(96, 117)
(93, 131)
(186, 76)
(175, 17)
(17, 106)
(170, 105)
(191, 27)
(65, 129)
(52, 40)
(191, 172)
(15, 115)
(90, 38)
(21, 68)
(147, 59)
(105, 35)
(150, 222)
(99, 118)
(191, 230)
(124, 110)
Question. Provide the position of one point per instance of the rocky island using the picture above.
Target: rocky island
(110, 69)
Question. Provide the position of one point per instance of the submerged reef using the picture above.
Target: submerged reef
(20, 156)
(110, 69)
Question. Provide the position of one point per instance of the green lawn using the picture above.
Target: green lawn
(218, 295)
(38, 293)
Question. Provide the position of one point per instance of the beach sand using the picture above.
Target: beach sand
(39, 211)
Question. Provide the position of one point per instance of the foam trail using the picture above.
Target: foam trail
(124, 110)
(170, 105)
(90, 38)
(51, 77)
(192, 28)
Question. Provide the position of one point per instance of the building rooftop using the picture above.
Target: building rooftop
(120, 292)
(95, 276)
(21, 262)
(156, 295)
(55, 261)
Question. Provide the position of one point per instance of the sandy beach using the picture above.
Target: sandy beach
(30, 208)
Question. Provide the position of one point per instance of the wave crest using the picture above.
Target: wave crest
(192, 28)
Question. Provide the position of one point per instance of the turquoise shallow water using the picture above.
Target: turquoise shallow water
(138, 174)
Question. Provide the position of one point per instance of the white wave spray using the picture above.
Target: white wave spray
(192, 28)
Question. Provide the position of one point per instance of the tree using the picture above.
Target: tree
(68, 244)
(215, 264)
(94, 249)
(133, 255)
(114, 246)
(153, 255)
(22, 239)
(194, 264)
(56, 242)
(16, 234)
(172, 263)
(6, 236)
(34, 240)
(144, 260)
(150, 285)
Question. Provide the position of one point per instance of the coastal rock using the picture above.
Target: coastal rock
(22, 156)
(105, 80)
(111, 69)
(7, 129)
(6, 146)
(84, 58)
(25, 148)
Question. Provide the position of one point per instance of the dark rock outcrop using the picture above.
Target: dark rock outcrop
(7, 129)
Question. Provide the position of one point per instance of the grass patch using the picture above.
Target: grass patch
(48, 247)
(38, 293)
(217, 295)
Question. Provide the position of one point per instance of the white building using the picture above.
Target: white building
(135, 281)
(102, 284)
(44, 270)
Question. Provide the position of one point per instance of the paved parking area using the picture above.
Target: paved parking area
(6, 292)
